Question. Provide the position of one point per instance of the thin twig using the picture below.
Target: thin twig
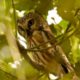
(58, 43)
(14, 14)
(8, 73)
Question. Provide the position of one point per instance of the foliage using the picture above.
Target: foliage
(69, 10)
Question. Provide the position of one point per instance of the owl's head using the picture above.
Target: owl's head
(31, 22)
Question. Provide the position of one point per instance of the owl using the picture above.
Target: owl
(42, 51)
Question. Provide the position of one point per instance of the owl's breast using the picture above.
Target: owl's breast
(37, 35)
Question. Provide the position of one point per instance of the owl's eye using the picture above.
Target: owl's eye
(30, 23)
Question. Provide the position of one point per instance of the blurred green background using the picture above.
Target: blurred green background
(12, 64)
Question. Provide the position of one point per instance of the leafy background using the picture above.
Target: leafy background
(12, 65)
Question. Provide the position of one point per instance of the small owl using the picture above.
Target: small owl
(43, 52)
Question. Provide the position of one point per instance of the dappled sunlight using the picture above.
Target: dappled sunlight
(53, 17)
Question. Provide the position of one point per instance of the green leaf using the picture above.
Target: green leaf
(42, 6)
(63, 24)
(4, 75)
(77, 4)
(65, 9)
(66, 46)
